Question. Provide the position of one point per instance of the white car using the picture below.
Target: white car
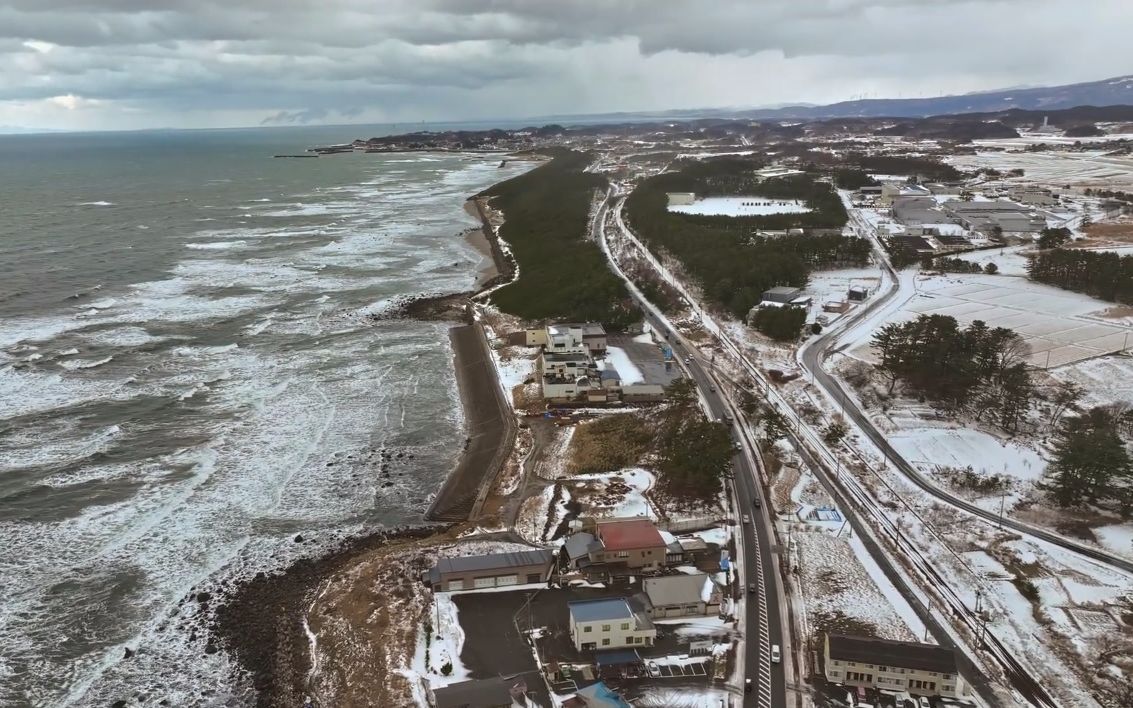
(654, 669)
(922, 702)
(776, 656)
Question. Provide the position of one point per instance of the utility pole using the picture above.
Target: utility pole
(1002, 500)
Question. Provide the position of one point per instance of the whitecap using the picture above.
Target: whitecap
(74, 364)
(216, 245)
(104, 204)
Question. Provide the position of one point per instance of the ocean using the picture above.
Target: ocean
(190, 379)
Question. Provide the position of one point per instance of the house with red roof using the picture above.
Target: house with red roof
(619, 546)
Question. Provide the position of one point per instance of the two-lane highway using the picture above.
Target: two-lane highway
(764, 620)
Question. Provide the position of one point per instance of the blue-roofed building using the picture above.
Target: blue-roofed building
(598, 695)
(610, 623)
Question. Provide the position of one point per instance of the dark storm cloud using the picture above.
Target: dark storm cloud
(300, 60)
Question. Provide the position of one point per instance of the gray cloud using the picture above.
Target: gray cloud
(210, 62)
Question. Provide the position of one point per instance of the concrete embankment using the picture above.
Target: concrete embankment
(489, 422)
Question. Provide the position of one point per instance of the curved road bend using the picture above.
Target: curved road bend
(812, 357)
(764, 626)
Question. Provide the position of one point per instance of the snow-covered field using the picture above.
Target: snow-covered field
(1011, 260)
(1106, 379)
(1059, 326)
(741, 206)
(930, 448)
(1088, 168)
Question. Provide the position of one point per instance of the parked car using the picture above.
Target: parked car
(751, 588)
(747, 685)
(739, 447)
(747, 519)
(712, 389)
(654, 669)
(776, 657)
(728, 417)
(922, 702)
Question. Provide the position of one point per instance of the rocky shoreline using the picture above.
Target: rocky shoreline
(261, 624)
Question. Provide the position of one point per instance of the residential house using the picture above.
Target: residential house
(681, 596)
(568, 338)
(924, 669)
(566, 364)
(491, 570)
(616, 547)
(496, 692)
(610, 623)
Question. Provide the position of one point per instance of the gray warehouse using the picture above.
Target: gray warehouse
(491, 570)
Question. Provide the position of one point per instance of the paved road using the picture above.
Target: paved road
(820, 348)
(759, 564)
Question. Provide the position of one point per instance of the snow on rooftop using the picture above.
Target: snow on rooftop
(741, 206)
(618, 359)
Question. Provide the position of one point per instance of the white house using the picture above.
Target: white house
(608, 624)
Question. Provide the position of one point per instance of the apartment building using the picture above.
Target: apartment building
(922, 669)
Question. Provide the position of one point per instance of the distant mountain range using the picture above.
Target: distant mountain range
(1107, 92)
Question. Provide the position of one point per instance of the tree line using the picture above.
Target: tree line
(1091, 464)
(1101, 274)
(729, 260)
(694, 453)
(561, 273)
(975, 368)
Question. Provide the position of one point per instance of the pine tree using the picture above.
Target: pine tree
(1090, 462)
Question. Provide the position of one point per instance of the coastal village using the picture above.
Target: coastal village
(689, 501)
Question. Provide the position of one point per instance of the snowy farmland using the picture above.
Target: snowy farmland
(1092, 168)
(1059, 326)
(933, 450)
(741, 206)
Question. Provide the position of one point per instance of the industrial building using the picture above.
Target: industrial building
(491, 570)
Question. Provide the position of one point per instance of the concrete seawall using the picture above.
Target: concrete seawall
(489, 423)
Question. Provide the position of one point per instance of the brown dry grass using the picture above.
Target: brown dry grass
(366, 619)
(609, 443)
(1106, 233)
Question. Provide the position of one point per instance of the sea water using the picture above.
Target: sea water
(190, 377)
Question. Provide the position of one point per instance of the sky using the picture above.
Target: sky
(128, 64)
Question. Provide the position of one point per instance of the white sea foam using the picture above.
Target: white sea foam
(266, 422)
(75, 364)
(216, 245)
(100, 204)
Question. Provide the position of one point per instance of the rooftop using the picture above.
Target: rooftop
(578, 544)
(888, 652)
(587, 328)
(480, 692)
(678, 589)
(491, 561)
(597, 610)
(625, 534)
